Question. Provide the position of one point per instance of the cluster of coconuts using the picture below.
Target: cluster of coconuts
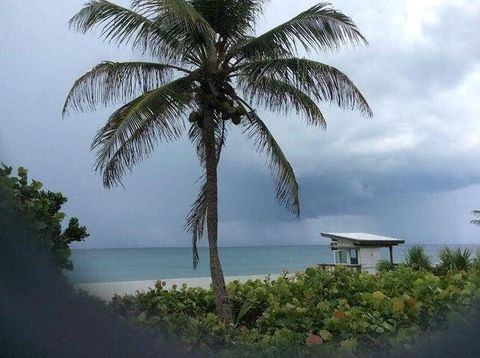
(228, 110)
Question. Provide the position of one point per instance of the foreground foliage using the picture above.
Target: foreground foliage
(311, 312)
(42, 209)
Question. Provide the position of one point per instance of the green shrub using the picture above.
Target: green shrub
(385, 265)
(315, 311)
(454, 260)
(476, 260)
(417, 258)
(42, 209)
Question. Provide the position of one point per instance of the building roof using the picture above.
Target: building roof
(363, 239)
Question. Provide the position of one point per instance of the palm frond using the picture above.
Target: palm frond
(181, 23)
(321, 28)
(230, 19)
(287, 190)
(417, 258)
(244, 310)
(452, 260)
(476, 221)
(195, 134)
(322, 82)
(118, 24)
(113, 82)
(385, 265)
(132, 131)
(195, 222)
(281, 97)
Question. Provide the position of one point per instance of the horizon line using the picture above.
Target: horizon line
(248, 246)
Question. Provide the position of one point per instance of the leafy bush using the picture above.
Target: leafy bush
(312, 312)
(42, 208)
(417, 258)
(454, 260)
(385, 265)
(476, 261)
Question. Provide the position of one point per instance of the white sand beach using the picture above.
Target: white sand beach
(106, 290)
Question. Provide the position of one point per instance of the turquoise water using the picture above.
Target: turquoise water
(100, 265)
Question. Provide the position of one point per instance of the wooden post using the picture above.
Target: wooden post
(390, 248)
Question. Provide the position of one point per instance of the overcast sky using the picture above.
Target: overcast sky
(411, 172)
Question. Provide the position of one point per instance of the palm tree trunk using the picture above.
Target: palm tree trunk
(224, 311)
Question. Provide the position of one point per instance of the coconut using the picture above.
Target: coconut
(236, 119)
(194, 117)
(227, 109)
(240, 110)
(225, 105)
(200, 123)
(231, 111)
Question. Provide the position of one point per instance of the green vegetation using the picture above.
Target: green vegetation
(453, 260)
(42, 209)
(417, 258)
(312, 312)
(211, 72)
(385, 265)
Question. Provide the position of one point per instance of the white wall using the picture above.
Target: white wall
(368, 258)
(345, 244)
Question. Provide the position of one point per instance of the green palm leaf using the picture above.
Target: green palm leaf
(133, 130)
(452, 260)
(417, 258)
(230, 19)
(117, 23)
(113, 82)
(181, 23)
(319, 27)
(160, 34)
(281, 97)
(476, 221)
(322, 82)
(285, 181)
(195, 222)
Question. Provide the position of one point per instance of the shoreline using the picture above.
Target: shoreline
(106, 290)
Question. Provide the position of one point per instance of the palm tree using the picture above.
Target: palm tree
(477, 214)
(452, 260)
(208, 67)
(417, 258)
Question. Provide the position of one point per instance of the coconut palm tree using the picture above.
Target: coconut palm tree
(477, 214)
(206, 71)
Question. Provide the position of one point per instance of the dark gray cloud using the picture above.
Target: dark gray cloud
(410, 172)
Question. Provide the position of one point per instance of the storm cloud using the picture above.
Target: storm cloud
(411, 171)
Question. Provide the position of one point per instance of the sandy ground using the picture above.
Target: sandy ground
(106, 290)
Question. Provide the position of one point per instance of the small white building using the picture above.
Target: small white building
(359, 249)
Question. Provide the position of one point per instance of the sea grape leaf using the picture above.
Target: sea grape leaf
(397, 306)
(326, 335)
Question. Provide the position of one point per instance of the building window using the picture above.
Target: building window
(341, 257)
(353, 257)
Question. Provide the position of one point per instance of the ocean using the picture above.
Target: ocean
(105, 265)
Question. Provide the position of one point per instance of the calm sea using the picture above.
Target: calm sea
(102, 265)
